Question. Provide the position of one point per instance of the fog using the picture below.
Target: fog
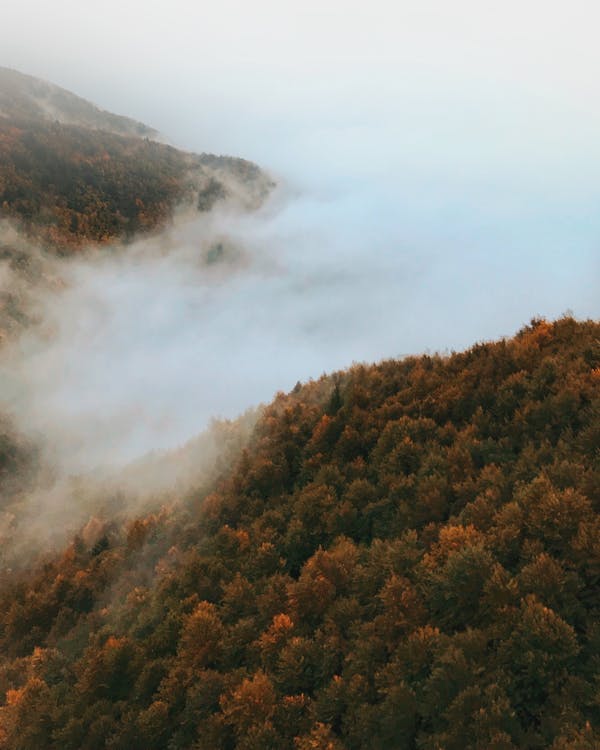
(141, 347)
(437, 168)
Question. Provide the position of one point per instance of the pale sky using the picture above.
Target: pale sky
(237, 68)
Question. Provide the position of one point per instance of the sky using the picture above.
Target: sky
(440, 164)
(238, 76)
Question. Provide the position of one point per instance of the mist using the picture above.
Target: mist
(141, 347)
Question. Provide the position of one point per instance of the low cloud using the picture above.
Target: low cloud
(140, 347)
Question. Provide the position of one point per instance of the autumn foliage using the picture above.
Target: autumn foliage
(66, 185)
(407, 555)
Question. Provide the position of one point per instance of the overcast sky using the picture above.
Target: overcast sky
(446, 158)
(234, 75)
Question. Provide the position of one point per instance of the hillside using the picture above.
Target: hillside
(72, 174)
(405, 555)
(26, 97)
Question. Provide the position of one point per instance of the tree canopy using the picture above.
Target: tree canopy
(405, 555)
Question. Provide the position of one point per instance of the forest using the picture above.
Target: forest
(73, 175)
(67, 186)
(75, 178)
(403, 556)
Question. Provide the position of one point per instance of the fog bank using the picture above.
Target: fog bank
(143, 345)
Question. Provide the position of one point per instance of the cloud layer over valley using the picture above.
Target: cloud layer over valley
(141, 346)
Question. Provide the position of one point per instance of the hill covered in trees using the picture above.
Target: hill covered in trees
(27, 97)
(404, 555)
(72, 174)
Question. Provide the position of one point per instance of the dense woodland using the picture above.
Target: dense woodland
(405, 555)
(66, 185)
(72, 174)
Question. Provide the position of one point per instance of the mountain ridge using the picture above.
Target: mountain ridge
(72, 174)
(27, 97)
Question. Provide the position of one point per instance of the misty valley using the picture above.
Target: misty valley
(252, 495)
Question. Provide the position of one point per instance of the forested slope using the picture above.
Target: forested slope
(66, 186)
(27, 97)
(405, 556)
(72, 174)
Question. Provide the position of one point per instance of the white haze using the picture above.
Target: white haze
(438, 165)
(144, 346)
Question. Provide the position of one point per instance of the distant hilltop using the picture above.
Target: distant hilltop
(72, 174)
(24, 96)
